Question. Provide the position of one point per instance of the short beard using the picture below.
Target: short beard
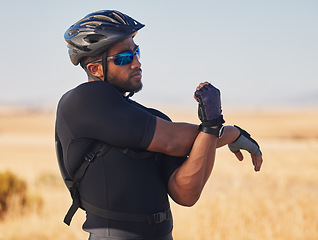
(123, 86)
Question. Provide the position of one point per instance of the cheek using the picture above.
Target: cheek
(110, 67)
(111, 71)
(118, 71)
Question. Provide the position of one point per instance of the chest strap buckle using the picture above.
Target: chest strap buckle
(159, 217)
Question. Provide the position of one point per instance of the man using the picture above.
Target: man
(140, 156)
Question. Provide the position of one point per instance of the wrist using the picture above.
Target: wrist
(213, 122)
(235, 133)
(214, 130)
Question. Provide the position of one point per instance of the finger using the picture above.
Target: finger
(253, 160)
(257, 162)
(201, 85)
(239, 155)
(205, 83)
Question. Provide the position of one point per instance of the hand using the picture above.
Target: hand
(245, 142)
(209, 109)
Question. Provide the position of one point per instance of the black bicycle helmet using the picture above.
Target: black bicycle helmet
(98, 31)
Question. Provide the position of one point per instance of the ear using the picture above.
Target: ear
(96, 69)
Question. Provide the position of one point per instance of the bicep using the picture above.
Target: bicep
(162, 137)
(169, 166)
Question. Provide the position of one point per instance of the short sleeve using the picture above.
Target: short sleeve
(97, 110)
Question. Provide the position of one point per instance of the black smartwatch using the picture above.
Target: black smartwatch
(218, 132)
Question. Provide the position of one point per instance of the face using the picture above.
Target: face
(126, 78)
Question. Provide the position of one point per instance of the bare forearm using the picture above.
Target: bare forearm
(187, 182)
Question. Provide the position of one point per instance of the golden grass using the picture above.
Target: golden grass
(280, 202)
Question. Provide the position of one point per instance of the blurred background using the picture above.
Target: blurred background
(261, 54)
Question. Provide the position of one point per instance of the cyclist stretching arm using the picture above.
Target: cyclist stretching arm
(179, 139)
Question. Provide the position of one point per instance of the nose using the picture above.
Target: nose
(135, 63)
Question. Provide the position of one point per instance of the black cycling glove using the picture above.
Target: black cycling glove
(209, 110)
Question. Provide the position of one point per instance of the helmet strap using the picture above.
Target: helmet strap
(104, 63)
(130, 94)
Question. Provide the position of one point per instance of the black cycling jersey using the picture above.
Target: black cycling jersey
(124, 179)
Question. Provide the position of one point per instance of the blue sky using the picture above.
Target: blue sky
(258, 53)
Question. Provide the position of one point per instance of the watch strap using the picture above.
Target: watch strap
(213, 131)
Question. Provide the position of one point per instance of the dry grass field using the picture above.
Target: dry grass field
(279, 202)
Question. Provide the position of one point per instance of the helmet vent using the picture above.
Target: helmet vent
(94, 38)
(118, 18)
(90, 24)
(106, 19)
(73, 31)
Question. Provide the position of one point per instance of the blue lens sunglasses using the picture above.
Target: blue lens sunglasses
(123, 58)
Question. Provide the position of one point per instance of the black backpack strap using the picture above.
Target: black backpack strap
(129, 217)
(89, 157)
(78, 202)
(72, 210)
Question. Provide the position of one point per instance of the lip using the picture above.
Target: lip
(137, 75)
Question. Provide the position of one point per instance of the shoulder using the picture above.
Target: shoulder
(95, 89)
(152, 111)
(159, 114)
(90, 92)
